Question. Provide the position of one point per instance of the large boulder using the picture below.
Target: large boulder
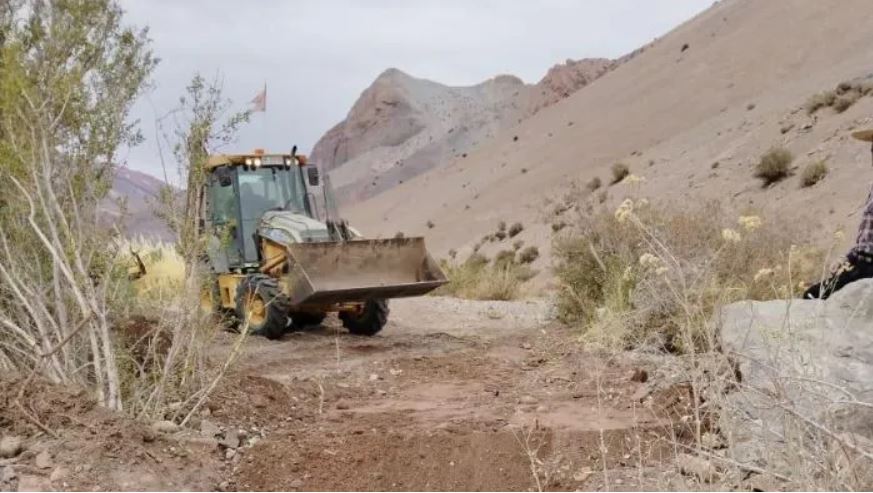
(806, 376)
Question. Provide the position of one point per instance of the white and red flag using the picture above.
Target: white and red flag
(259, 103)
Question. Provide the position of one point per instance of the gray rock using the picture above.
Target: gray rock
(797, 359)
(30, 482)
(230, 442)
(7, 474)
(44, 460)
(10, 446)
(165, 426)
(697, 467)
(59, 474)
(209, 429)
(527, 399)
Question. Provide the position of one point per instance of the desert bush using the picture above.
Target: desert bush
(528, 255)
(813, 173)
(476, 279)
(515, 229)
(430, 224)
(558, 226)
(633, 277)
(774, 165)
(499, 235)
(820, 100)
(619, 172)
(845, 101)
(504, 258)
(501, 226)
(517, 244)
(593, 184)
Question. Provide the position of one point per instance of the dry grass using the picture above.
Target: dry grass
(813, 173)
(820, 100)
(593, 184)
(774, 165)
(618, 272)
(479, 279)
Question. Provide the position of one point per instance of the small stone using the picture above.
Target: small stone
(10, 446)
(33, 483)
(527, 346)
(702, 469)
(395, 372)
(542, 409)
(223, 486)
(44, 460)
(164, 426)
(242, 434)
(296, 484)
(7, 474)
(230, 442)
(342, 404)
(229, 453)
(582, 475)
(527, 399)
(374, 377)
(59, 474)
(209, 429)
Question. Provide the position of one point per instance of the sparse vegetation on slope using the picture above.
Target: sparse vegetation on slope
(478, 279)
(813, 173)
(619, 172)
(774, 165)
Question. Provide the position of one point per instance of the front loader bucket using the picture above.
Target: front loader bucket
(358, 270)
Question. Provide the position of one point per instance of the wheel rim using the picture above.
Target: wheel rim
(256, 310)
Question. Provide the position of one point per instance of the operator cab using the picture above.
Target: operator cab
(239, 190)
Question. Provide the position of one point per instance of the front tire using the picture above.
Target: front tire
(369, 321)
(261, 304)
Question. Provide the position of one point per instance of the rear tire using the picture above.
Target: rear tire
(260, 302)
(369, 321)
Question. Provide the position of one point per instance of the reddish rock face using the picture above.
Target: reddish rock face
(402, 126)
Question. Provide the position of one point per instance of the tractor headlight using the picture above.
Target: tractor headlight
(256, 162)
(248, 161)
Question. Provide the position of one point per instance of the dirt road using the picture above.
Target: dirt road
(452, 395)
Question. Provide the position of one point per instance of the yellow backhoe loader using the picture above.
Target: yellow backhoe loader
(281, 258)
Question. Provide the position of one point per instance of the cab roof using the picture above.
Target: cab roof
(271, 159)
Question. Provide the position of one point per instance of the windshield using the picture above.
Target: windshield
(268, 188)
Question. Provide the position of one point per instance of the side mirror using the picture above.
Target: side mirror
(225, 177)
(312, 173)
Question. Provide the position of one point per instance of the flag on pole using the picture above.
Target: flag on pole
(259, 103)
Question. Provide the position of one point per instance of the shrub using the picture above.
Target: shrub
(558, 226)
(637, 277)
(517, 244)
(619, 172)
(398, 235)
(593, 184)
(602, 196)
(846, 100)
(820, 100)
(528, 255)
(813, 173)
(501, 226)
(476, 279)
(773, 165)
(504, 258)
(430, 224)
(500, 235)
(515, 229)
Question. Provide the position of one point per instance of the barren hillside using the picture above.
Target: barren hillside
(402, 126)
(691, 115)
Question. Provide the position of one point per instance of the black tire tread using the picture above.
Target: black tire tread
(277, 305)
(370, 321)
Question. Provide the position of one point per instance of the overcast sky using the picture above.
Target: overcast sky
(317, 56)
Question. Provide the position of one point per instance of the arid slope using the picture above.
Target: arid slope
(721, 87)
